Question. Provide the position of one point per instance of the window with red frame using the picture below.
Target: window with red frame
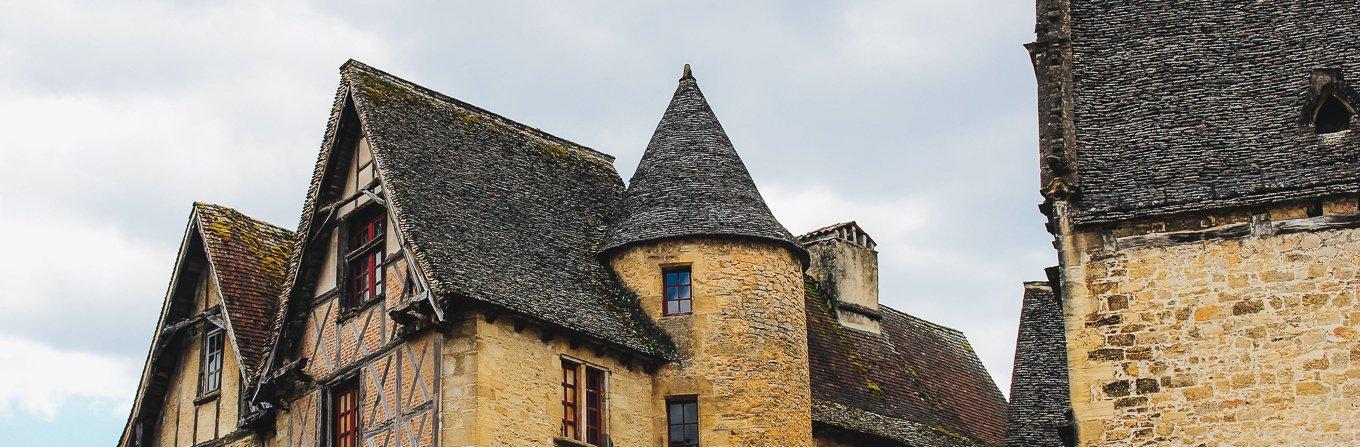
(570, 421)
(588, 401)
(677, 291)
(365, 256)
(345, 414)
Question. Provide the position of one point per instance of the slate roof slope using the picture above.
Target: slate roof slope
(691, 182)
(1205, 97)
(498, 212)
(917, 383)
(1039, 390)
(250, 260)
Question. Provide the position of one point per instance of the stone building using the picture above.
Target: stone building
(461, 279)
(1199, 166)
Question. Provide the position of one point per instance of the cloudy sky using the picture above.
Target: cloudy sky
(915, 118)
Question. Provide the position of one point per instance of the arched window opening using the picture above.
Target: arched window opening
(1332, 115)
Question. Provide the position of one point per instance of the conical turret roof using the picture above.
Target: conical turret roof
(691, 182)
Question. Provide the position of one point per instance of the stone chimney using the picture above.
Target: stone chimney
(845, 263)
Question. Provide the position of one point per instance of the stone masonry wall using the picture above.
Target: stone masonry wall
(743, 350)
(502, 387)
(1231, 342)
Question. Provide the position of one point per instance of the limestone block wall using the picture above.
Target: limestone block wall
(743, 350)
(503, 388)
(1248, 341)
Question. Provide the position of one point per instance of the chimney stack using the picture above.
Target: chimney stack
(845, 262)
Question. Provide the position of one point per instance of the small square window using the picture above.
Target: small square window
(677, 291)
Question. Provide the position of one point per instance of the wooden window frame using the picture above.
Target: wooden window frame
(342, 432)
(364, 259)
(211, 362)
(585, 411)
(672, 424)
(685, 305)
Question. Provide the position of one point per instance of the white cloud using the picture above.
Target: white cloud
(116, 117)
(922, 272)
(927, 38)
(39, 379)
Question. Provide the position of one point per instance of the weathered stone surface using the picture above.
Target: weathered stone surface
(743, 351)
(1268, 356)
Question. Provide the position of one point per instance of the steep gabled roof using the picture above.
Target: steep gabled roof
(491, 210)
(246, 258)
(1040, 397)
(916, 383)
(691, 182)
(249, 258)
(1194, 105)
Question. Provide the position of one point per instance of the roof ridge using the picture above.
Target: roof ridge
(436, 95)
(200, 204)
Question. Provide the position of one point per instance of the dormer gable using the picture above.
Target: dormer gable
(211, 333)
(1331, 103)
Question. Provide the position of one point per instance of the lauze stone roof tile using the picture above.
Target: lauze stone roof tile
(1205, 98)
(1039, 390)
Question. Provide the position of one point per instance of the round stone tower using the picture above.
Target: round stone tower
(714, 268)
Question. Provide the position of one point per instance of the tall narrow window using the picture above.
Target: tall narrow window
(210, 377)
(594, 406)
(345, 414)
(584, 391)
(682, 419)
(677, 291)
(570, 423)
(365, 256)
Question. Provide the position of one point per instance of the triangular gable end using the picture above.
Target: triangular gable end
(347, 177)
(177, 315)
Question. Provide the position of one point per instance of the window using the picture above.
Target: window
(365, 256)
(588, 401)
(682, 419)
(677, 291)
(1332, 115)
(345, 414)
(1331, 105)
(210, 370)
(570, 423)
(594, 406)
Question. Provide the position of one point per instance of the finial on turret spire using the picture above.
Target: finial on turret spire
(687, 75)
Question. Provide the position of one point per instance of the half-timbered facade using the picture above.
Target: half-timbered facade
(461, 279)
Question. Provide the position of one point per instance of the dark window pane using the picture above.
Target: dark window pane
(682, 423)
(675, 291)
